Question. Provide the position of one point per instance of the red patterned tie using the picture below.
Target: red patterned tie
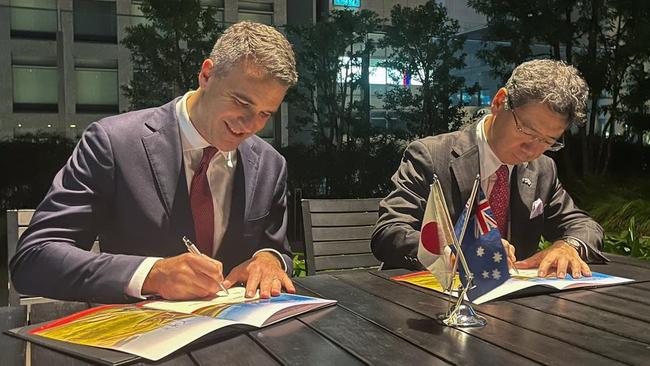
(500, 199)
(201, 203)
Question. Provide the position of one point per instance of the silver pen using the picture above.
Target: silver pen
(193, 249)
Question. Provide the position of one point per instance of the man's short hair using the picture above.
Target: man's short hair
(262, 44)
(554, 83)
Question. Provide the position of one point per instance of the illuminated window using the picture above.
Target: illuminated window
(97, 90)
(256, 12)
(35, 88)
(33, 19)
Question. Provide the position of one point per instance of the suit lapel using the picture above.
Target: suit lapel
(164, 152)
(526, 184)
(249, 160)
(522, 195)
(163, 148)
(465, 161)
(231, 251)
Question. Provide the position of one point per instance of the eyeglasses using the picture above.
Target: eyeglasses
(553, 144)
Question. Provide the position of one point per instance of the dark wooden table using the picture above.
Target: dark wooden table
(381, 322)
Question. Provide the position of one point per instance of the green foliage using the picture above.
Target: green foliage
(424, 43)
(29, 162)
(299, 269)
(359, 170)
(637, 112)
(543, 244)
(629, 242)
(616, 213)
(605, 39)
(324, 96)
(519, 25)
(167, 50)
(613, 202)
(622, 207)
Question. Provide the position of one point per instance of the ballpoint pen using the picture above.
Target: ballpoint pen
(513, 265)
(193, 249)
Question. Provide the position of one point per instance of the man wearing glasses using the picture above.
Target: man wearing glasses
(527, 117)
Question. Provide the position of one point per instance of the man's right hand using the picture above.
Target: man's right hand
(184, 277)
(510, 252)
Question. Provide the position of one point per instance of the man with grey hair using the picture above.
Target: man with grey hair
(194, 168)
(541, 100)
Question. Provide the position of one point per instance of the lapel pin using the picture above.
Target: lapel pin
(526, 181)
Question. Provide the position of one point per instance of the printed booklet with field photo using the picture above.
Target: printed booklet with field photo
(525, 283)
(154, 329)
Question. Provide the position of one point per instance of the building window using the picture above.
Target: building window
(268, 132)
(97, 90)
(35, 88)
(95, 21)
(137, 17)
(219, 5)
(256, 12)
(33, 19)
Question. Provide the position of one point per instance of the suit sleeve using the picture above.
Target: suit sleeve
(53, 257)
(397, 233)
(564, 219)
(275, 234)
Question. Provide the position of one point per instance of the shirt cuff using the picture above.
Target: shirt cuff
(134, 289)
(277, 254)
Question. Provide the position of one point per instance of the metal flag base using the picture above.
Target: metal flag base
(463, 317)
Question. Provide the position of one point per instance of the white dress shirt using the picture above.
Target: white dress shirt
(488, 160)
(221, 173)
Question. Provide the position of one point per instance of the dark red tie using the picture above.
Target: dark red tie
(500, 199)
(201, 202)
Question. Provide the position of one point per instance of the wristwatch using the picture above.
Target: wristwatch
(576, 244)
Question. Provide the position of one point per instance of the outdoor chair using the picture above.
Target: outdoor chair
(338, 232)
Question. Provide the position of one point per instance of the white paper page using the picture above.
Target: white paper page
(528, 278)
(161, 342)
(235, 295)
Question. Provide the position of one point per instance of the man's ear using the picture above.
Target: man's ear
(499, 101)
(206, 73)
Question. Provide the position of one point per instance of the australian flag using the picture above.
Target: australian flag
(482, 248)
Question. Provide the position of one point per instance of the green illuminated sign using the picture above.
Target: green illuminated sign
(348, 3)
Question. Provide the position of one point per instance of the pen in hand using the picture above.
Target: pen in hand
(512, 264)
(193, 249)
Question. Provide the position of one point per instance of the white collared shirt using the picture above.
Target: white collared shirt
(221, 171)
(488, 160)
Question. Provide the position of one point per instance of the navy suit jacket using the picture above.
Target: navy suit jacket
(125, 183)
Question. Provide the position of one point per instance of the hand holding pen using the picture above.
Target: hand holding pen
(510, 253)
(184, 277)
(193, 249)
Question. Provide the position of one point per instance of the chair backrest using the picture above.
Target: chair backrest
(338, 232)
(12, 350)
(17, 223)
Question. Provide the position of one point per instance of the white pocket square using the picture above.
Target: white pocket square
(537, 208)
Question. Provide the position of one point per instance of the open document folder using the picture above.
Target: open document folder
(154, 329)
(526, 282)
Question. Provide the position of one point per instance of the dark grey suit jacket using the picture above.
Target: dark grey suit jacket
(453, 157)
(125, 182)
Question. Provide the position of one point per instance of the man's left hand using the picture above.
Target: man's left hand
(263, 271)
(560, 256)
